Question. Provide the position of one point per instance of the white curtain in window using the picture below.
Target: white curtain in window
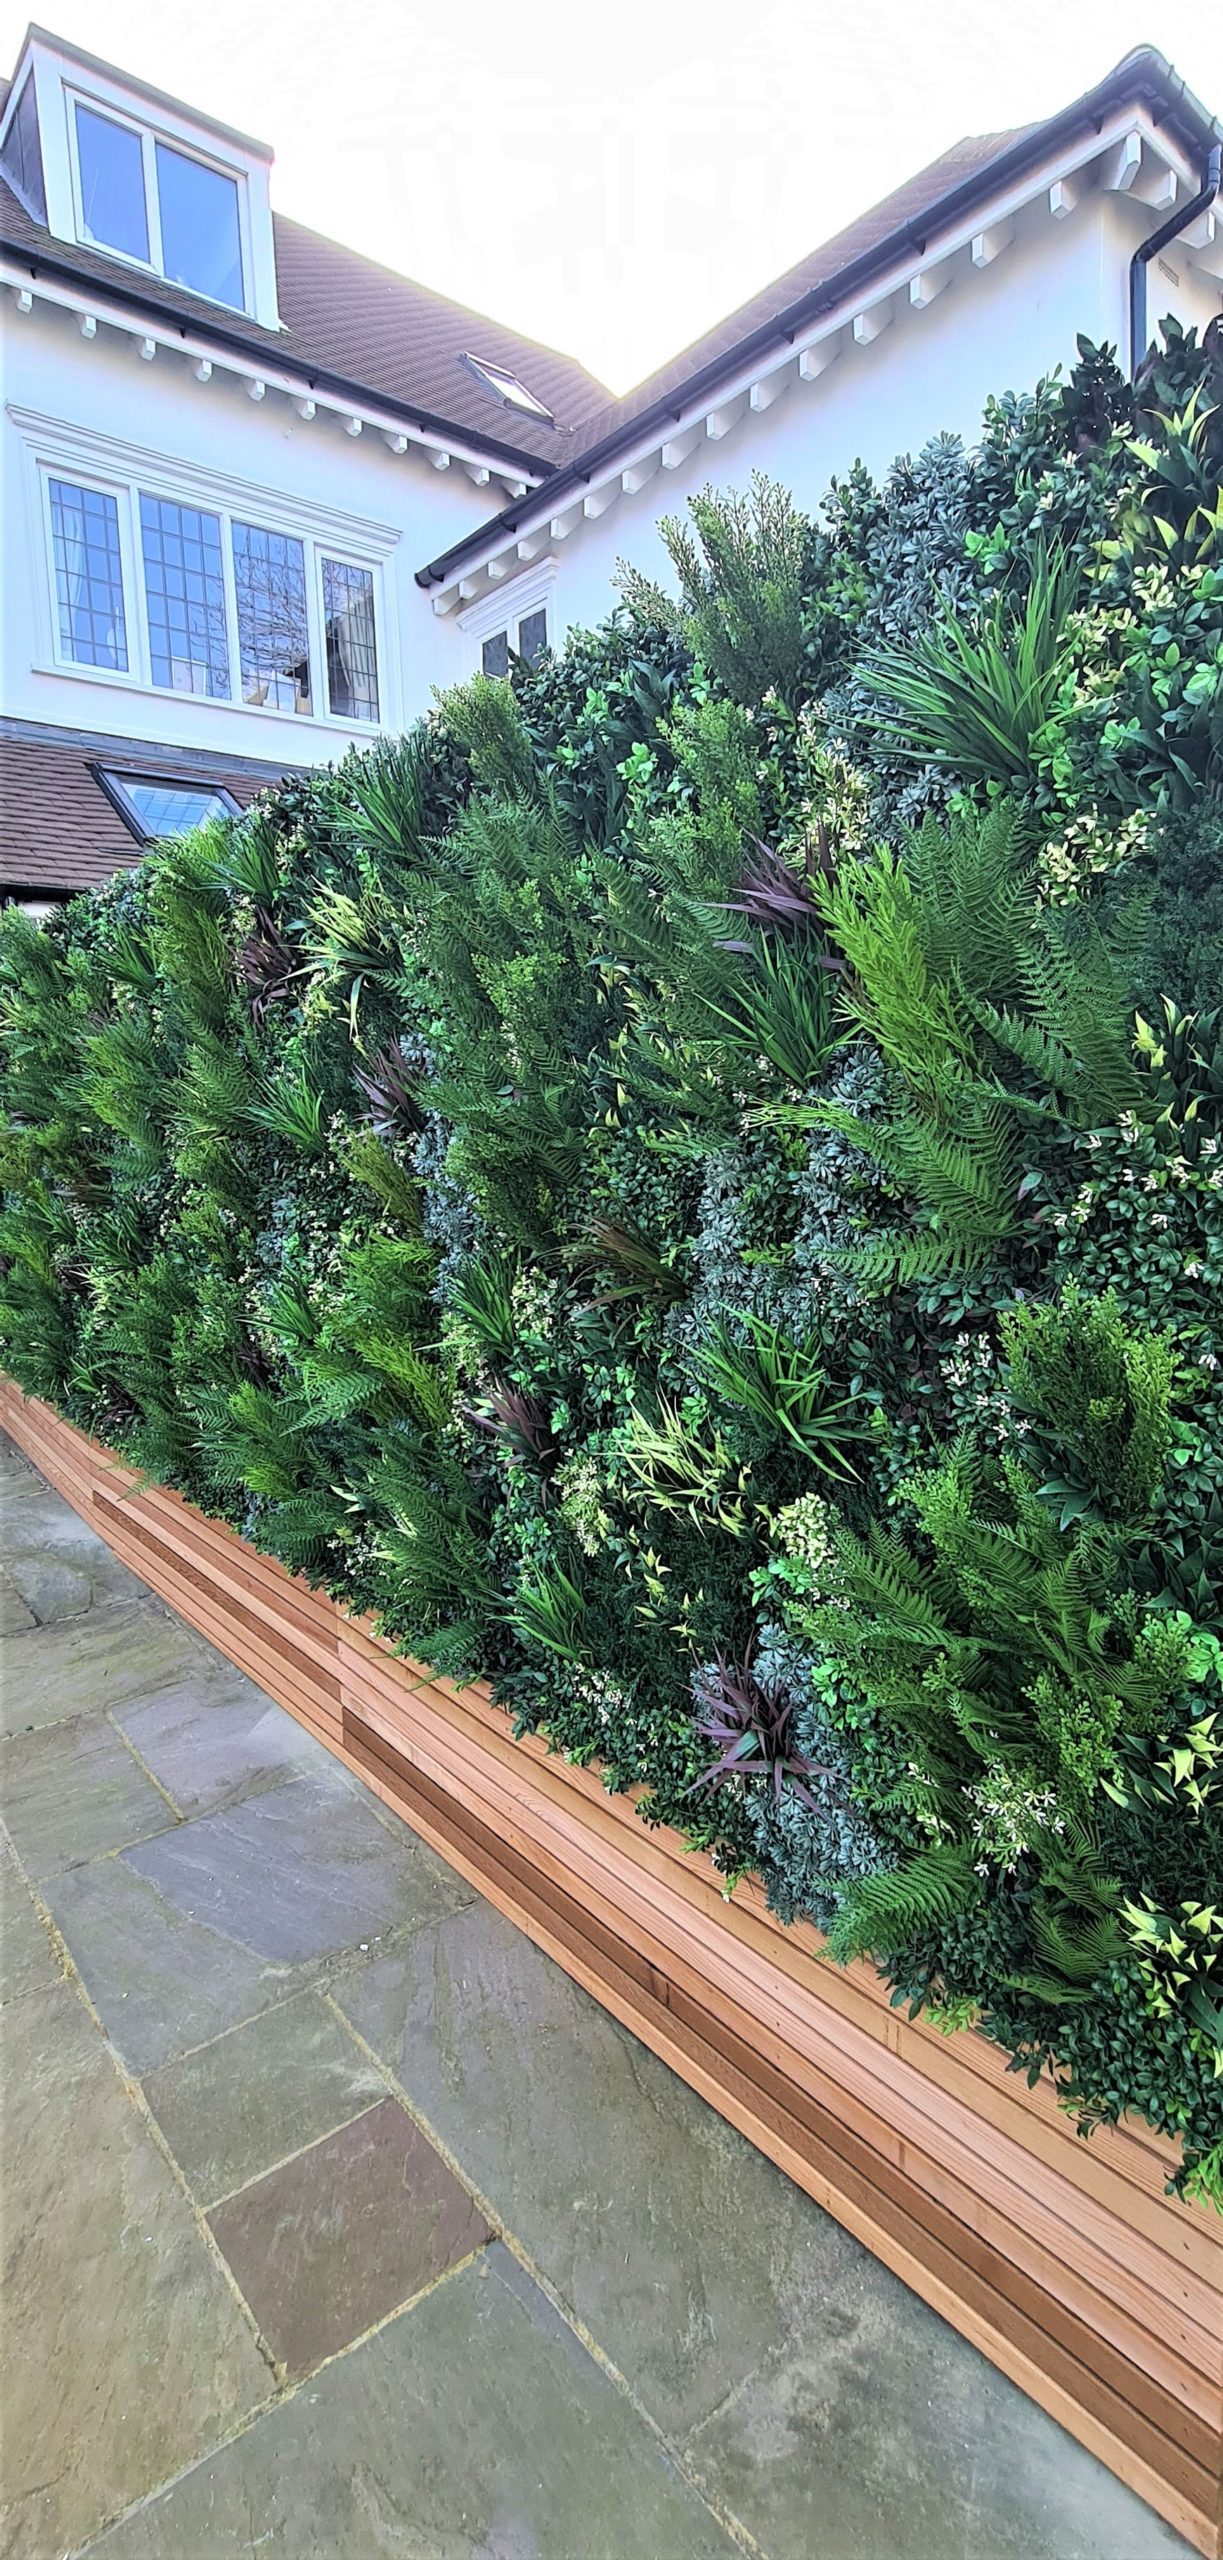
(74, 560)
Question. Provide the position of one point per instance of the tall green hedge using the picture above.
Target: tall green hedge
(692, 1184)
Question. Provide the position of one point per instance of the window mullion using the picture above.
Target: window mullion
(231, 606)
(320, 691)
(152, 207)
(131, 552)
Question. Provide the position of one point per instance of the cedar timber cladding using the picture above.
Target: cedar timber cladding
(1062, 2260)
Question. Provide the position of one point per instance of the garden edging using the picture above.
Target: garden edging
(1062, 2260)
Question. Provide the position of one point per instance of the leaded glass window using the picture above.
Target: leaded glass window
(184, 584)
(533, 636)
(352, 647)
(273, 624)
(88, 575)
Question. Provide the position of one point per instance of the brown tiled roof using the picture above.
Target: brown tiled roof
(58, 831)
(348, 317)
(403, 340)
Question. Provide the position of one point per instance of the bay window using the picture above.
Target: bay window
(208, 601)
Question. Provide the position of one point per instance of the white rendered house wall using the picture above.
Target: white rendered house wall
(923, 363)
(111, 411)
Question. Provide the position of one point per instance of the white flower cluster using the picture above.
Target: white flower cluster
(534, 1300)
(1088, 847)
(803, 1532)
(1008, 1808)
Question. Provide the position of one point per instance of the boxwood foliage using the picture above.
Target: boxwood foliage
(693, 1184)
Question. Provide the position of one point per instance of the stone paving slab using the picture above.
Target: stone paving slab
(881, 2434)
(209, 1923)
(331, 2242)
(284, 1966)
(243, 1742)
(128, 2353)
(626, 2189)
(298, 1873)
(55, 1586)
(60, 1565)
(818, 2398)
(109, 1659)
(235, 2107)
(161, 1983)
(28, 1959)
(72, 1792)
(15, 1617)
(472, 2428)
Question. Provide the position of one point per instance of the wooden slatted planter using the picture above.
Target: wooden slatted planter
(1062, 2260)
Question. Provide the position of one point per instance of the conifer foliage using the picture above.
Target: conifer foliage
(693, 1185)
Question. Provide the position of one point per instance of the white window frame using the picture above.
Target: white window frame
(57, 451)
(148, 137)
(324, 550)
(107, 488)
(508, 607)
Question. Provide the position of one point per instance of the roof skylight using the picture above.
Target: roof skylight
(152, 806)
(507, 388)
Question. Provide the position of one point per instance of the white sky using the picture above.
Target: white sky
(614, 179)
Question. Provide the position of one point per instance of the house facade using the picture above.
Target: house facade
(262, 496)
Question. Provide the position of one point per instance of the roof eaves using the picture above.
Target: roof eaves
(1144, 77)
(38, 261)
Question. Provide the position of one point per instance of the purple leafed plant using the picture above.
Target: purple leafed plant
(779, 900)
(521, 1424)
(389, 1086)
(750, 1721)
(267, 965)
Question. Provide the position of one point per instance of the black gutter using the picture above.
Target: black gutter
(37, 262)
(1143, 254)
(1145, 78)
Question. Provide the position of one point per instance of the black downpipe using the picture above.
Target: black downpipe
(1147, 249)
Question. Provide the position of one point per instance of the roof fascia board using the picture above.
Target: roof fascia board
(1150, 93)
(508, 602)
(55, 281)
(521, 520)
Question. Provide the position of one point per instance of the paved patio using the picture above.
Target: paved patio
(339, 2224)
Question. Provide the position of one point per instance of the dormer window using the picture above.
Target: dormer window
(21, 157)
(141, 198)
(507, 389)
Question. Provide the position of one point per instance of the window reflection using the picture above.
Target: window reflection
(200, 237)
(273, 630)
(88, 575)
(112, 184)
(184, 583)
(352, 652)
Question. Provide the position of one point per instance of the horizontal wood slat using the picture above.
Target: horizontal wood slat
(1062, 2260)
